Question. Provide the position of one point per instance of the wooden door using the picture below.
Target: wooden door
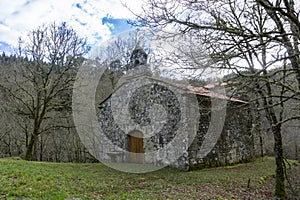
(136, 147)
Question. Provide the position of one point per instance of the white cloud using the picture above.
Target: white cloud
(17, 18)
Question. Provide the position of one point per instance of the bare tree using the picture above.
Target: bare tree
(43, 86)
(285, 16)
(243, 36)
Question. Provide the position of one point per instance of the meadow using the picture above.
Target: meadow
(21, 179)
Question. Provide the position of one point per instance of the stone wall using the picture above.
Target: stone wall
(155, 109)
(234, 145)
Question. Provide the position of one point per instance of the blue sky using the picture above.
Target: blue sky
(95, 19)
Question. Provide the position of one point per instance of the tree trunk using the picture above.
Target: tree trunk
(280, 191)
(41, 148)
(280, 179)
(30, 146)
(297, 156)
(258, 129)
(261, 143)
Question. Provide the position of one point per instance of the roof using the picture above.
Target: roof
(202, 91)
(207, 91)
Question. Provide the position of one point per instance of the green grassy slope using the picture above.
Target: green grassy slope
(21, 179)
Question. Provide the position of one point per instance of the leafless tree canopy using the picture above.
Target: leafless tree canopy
(39, 87)
(257, 40)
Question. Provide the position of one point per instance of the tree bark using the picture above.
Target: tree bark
(258, 129)
(280, 191)
(30, 147)
(280, 179)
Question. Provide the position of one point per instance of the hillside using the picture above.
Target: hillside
(43, 180)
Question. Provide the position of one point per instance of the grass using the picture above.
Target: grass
(21, 179)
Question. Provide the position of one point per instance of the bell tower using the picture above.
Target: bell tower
(138, 57)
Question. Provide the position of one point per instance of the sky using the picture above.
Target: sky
(96, 20)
